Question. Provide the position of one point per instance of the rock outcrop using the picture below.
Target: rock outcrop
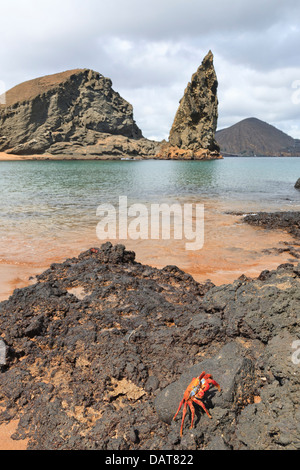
(71, 112)
(192, 135)
(101, 349)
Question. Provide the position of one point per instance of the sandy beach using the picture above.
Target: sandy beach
(5, 157)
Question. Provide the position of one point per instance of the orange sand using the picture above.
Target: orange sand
(6, 442)
(11, 157)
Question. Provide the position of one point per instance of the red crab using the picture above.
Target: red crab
(194, 393)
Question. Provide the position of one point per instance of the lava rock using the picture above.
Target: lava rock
(102, 348)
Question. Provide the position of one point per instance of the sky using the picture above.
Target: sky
(151, 49)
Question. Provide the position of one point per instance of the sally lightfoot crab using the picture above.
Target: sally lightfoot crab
(194, 393)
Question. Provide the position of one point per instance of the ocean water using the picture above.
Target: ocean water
(48, 206)
(61, 194)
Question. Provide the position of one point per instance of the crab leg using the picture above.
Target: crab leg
(199, 402)
(210, 380)
(193, 413)
(181, 403)
(183, 416)
(201, 375)
(215, 384)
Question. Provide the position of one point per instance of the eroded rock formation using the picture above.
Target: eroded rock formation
(192, 135)
(71, 112)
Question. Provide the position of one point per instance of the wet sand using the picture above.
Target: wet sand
(231, 248)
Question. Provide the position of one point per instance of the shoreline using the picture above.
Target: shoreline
(5, 157)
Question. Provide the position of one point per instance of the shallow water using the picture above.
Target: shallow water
(48, 211)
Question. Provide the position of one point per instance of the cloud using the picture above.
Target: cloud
(150, 51)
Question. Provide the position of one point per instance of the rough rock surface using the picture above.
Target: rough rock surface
(74, 111)
(101, 348)
(170, 152)
(289, 221)
(194, 127)
(297, 184)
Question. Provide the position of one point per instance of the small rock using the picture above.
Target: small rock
(297, 185)
(3, 352)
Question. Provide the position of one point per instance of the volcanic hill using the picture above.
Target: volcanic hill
(252, 137)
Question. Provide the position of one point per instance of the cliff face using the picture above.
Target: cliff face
(75, 111)
(192, 135)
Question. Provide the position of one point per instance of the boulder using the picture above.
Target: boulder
(297, 185)
(229, 368)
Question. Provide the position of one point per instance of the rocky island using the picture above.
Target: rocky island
(71, 113)
(77, 114)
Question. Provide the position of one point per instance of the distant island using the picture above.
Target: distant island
(77, 114)
(253, 137)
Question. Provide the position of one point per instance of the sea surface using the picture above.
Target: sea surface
(48, 209)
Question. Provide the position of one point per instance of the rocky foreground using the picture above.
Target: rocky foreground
(97, 355)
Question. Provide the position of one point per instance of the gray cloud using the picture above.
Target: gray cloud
(150, 51)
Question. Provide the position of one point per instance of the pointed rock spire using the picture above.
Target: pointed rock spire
(196, 120)
(193, 132)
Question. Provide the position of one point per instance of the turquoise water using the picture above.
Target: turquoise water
(40, 199)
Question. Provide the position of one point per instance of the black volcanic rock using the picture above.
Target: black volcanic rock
(254, 137)
(284, 220)
(101, 349)
(75, 111)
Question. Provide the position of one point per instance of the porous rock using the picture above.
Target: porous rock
(107, 369)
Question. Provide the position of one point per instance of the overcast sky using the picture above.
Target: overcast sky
(151, 49)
